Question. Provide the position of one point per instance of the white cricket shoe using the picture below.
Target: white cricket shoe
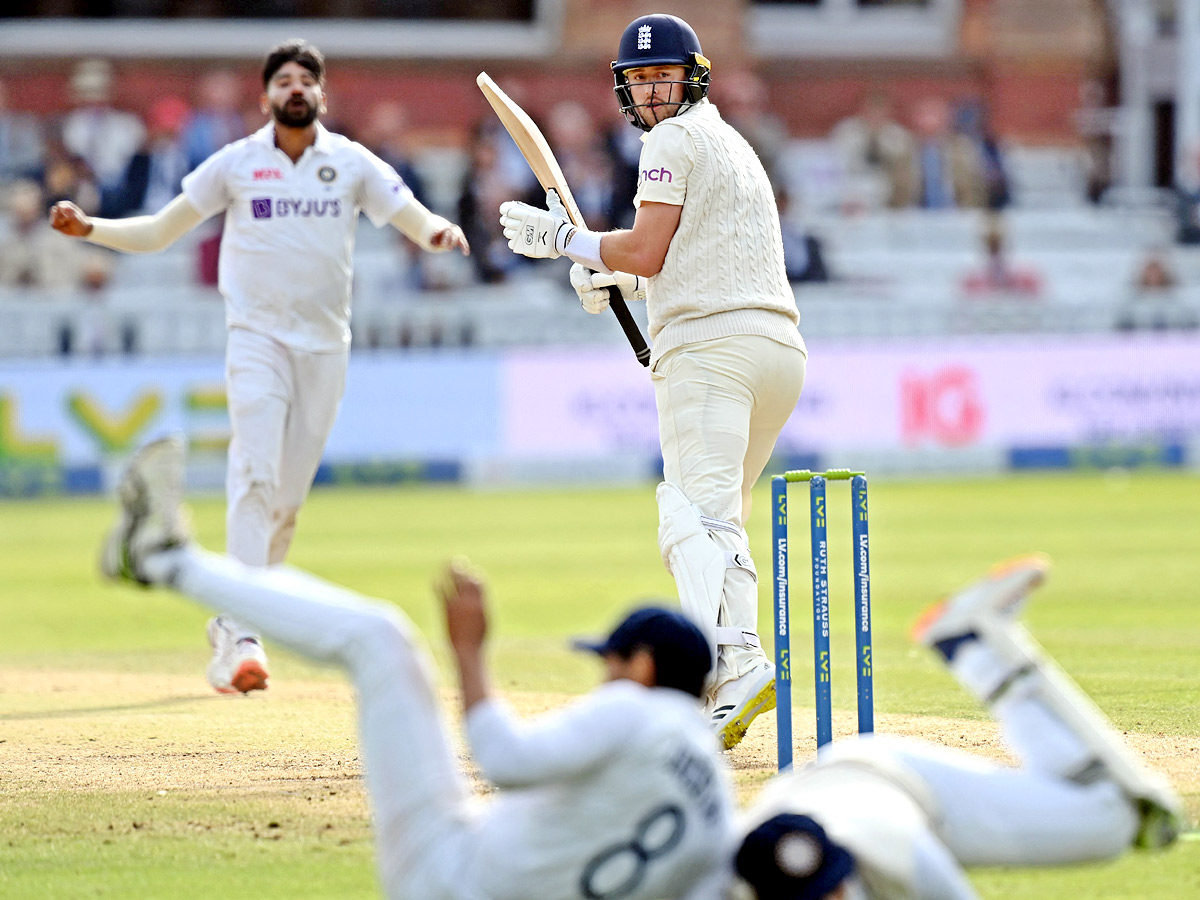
(1001, 592)
(237, 666)
(151, 516)
(736, 703)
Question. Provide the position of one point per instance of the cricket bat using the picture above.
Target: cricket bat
(538, 154)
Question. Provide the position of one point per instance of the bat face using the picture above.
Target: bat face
(531, 142)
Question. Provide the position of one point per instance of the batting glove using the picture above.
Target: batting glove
(591, 287)
(537, 233)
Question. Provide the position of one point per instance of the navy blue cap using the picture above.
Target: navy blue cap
(790, 857)
(682, 656)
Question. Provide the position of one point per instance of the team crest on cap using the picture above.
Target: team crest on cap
(327, 173)
(644, 38)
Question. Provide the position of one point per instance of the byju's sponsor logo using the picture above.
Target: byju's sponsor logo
(285, 207)
(305, 209)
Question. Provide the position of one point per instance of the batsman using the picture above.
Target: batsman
(706, 254)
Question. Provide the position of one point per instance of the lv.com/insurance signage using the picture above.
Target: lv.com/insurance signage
(1032, 399)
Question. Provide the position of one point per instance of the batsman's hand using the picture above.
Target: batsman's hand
(464, 602)
(537, 233)
(69, 219)
(591, 287)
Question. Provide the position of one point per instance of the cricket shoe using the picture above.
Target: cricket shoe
(1000, 593)
(238, 666)
(736, 703)
(151, 518)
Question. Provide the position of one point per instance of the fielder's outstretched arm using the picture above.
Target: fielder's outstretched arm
(139, 234)
(428, 230)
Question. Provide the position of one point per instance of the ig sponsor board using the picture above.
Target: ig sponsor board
(1004, 393)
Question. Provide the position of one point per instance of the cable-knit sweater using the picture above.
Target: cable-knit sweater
(723, 274)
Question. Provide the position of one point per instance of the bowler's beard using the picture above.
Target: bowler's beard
(290, 118)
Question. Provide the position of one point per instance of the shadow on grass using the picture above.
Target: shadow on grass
(161, 704)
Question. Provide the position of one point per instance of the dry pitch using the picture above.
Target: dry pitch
(68, 731)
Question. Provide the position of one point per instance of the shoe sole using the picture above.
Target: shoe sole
(735, 729)
(1038, 565)
(250, 676)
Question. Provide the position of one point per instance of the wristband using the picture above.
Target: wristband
(583, 247)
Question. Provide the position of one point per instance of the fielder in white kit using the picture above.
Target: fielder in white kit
(622, 796)
(728, 364)
(291, 194)
(887, 818)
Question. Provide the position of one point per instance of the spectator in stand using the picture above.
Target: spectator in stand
(1187, 199)
(803, 256)
(999, 276)
(742, 98)
(971, 123)
(579, 149)
(1155, 276)
(217, 118)
(943, 169)
(1096, 124)
(31, 254)
(96, 332)
(66, 176)
(224, 113)
(872, 146)
(1154, 304)
(104, 137)
(487, 184)
(387, 136)
(154, 175)
(20, 142)
(624, 147)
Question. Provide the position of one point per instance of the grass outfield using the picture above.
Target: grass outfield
(123, 777)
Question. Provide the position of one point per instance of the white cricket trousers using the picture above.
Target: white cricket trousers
(721, 405)
(993, 815)
(420, 803)
(282, 405)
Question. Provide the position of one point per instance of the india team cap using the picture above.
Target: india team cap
(790, 857)
(680, 649)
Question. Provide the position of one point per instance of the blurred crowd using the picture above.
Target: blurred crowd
(115, 162)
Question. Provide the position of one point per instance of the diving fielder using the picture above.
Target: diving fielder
(622, 796)
(885, 818)
(728, 365)
(291, 194)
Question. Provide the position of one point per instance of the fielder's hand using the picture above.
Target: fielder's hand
(450, 238)
(590, 286)
(68, 218)
(463, 600)
(537, 233)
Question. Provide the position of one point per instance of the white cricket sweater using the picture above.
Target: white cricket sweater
(724, 273)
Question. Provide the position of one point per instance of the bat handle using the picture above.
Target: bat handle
(634, 334)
